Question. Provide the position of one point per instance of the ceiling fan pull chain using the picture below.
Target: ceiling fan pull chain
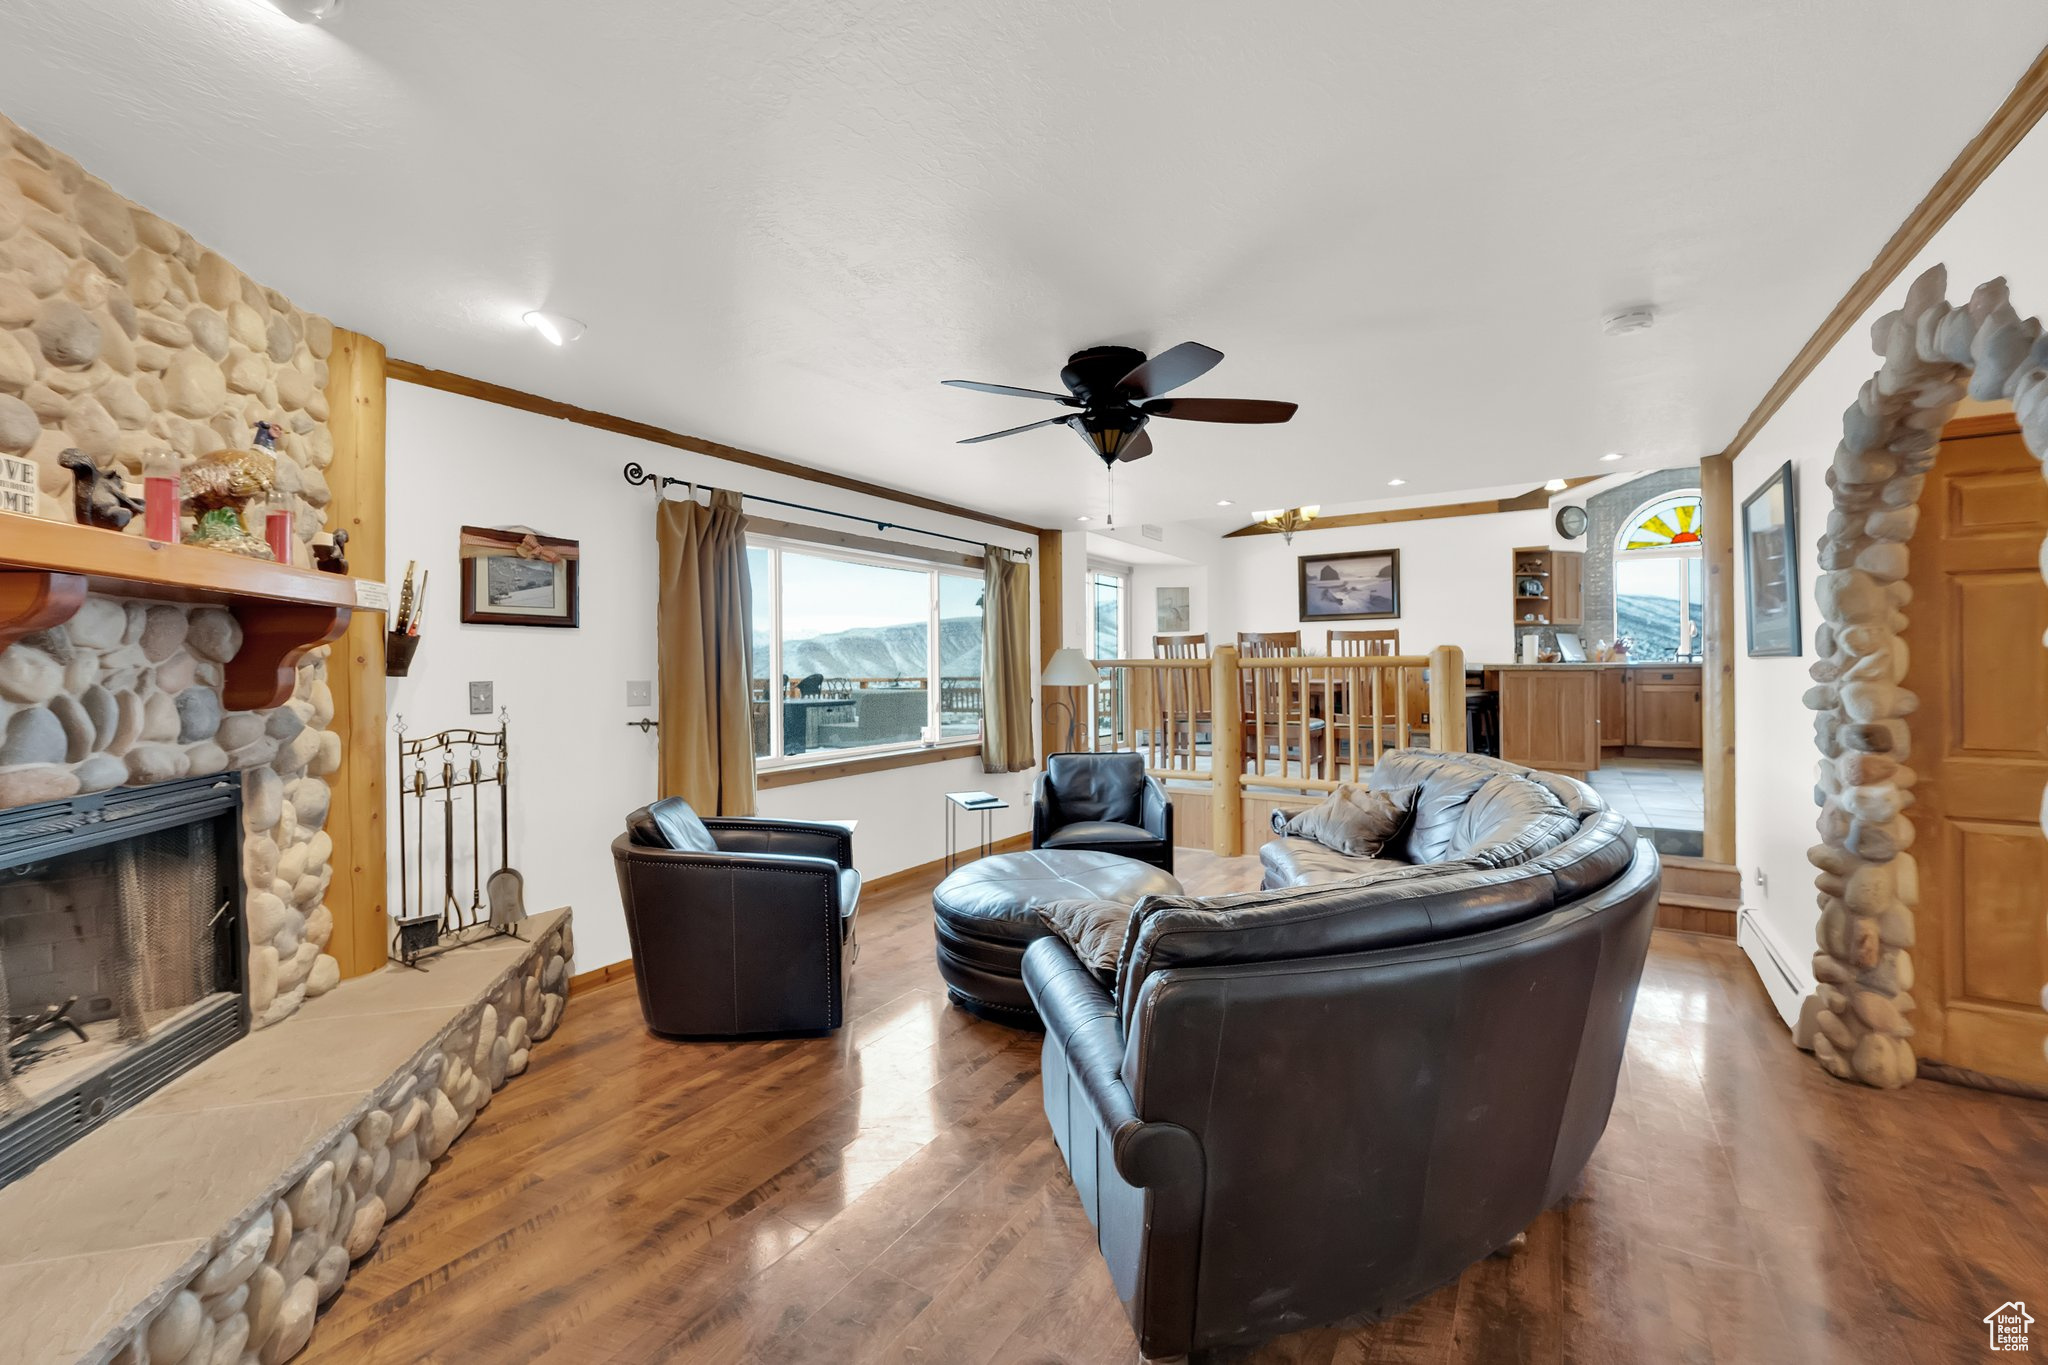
(1112, 497)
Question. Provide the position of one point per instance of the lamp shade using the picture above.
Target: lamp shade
(1069, 668)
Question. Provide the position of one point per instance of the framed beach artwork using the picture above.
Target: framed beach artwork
(1770, 566)
(1365, 586)
(514, 576)
(1172, 606)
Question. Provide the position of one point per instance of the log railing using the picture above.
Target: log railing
(1296, 723)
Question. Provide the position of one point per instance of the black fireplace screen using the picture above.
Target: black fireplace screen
(121, 952)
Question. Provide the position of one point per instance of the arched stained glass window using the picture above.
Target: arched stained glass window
(1665, 524)
(1659, 588)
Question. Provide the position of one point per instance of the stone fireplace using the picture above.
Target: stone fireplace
(121, 955)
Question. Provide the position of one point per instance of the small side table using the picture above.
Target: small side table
(984, 803)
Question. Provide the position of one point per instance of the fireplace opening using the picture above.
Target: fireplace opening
(122, 954)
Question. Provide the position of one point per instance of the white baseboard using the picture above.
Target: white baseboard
(1790, 988)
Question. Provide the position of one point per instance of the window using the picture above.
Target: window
(1659, 584)
(1108, 591)
(857, 652)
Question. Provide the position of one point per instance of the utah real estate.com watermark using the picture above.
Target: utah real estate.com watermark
(2008, 1324)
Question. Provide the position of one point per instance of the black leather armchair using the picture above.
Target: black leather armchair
(1103, 803)
(751, 935)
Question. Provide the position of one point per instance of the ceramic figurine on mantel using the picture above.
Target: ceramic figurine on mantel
(98, 497)
(219, 487)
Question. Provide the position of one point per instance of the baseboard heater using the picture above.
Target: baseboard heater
(1788, 991)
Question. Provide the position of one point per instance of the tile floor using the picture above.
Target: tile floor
(1661, 797)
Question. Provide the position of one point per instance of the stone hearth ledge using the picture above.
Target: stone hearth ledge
(210, 1222)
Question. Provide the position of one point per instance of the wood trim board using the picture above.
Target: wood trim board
(767, 779)
(484, 391)
(1533, 500)
(2008, 126)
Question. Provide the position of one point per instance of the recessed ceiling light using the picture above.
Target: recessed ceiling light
(309, 11)
(1223, 502)
(1612, 455)
(557, 328)
(1395, 483)
(1555, 485)
(1629, 320)
(1080, 518)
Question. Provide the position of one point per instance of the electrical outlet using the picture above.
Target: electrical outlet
(480, 698)
(639, 694)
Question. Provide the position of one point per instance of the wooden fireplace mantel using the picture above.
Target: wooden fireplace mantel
(47, 567)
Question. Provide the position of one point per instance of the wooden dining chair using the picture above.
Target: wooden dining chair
(1265, 691)
(1366, 644)
(1350, 644)
(1175, 702)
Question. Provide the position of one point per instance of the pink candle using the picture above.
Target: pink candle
(160, 496)
(277, 529)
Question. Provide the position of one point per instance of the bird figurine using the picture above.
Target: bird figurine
(332, 557)
(98, 499)
(219, 486)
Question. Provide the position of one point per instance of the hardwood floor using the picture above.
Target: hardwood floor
(892, 1193)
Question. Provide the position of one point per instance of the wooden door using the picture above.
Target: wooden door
(1978, 613)
(1613, 708)
(1664, 708)
(1546, 718)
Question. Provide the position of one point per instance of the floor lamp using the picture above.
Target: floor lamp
(1067, 669)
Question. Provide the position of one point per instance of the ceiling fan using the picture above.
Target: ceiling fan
(1117, 390)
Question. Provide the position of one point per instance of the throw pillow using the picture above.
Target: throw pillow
(680, 827)
(1355, 820)
(1094, 929)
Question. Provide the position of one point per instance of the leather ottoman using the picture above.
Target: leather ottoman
(985, 916)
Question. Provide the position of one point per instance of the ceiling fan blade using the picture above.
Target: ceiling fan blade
(1171, 368)
(1137, 448)
(1012, 431)
(1012, 391)
(1221, 409)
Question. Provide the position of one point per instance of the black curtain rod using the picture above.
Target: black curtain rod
(637, 476)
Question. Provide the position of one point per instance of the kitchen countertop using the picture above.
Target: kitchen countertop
(1617, 663)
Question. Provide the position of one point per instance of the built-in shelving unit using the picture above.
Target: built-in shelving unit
(47, 567)
(1557, 578)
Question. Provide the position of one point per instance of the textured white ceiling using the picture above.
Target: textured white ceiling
(786, 222)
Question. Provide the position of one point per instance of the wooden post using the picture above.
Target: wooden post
(1226, 755)
(1447, 699)
(1717, 737)
(355, 669)
(1049, 634)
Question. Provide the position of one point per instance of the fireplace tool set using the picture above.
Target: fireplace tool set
(497, 903)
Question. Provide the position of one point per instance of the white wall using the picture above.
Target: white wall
(1995, 233)
(1146, 580)
(576, 767)
(1455, 580)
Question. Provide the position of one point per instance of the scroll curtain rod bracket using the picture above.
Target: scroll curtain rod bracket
(637, 476)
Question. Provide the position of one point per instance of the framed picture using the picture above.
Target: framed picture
(1356, 587)
(514, 576)
(1770, 565)
(1173, 610)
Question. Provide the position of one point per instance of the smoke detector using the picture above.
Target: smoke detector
(1629, 320)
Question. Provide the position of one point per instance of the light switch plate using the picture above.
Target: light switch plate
(640, 694)
(480, 698)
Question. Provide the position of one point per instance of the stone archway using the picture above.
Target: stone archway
(1934, 355)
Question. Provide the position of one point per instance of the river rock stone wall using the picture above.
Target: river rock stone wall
(1868, 882)
(128, 693)
(257, 1299)
(121, 335)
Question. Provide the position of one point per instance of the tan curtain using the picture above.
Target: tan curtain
(705, 624)
(1006, 745)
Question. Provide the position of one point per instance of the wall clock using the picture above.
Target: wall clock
(1571, 521)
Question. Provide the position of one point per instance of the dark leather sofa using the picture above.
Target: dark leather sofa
(753, 937)
(1103, 803)
(1322, 1100)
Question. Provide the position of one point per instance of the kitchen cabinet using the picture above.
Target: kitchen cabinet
(1613, 708)
(1549, 718)
(1549, 587)
(1664, 710)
